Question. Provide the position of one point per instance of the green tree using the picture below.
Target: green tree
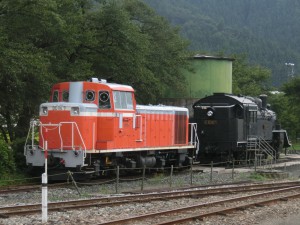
(292, 90)
(286, 112)
(23, 81)
(7, 165)
(118, 50)
(168, 50)
(135, 46)
(38, 39)
(289, 105)
(46, 41)
(248, 79)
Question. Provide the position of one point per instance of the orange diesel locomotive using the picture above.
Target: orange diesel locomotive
(93, 125)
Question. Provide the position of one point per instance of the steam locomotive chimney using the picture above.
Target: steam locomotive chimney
(264, 101)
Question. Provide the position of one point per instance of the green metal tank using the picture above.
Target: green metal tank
(208, 75)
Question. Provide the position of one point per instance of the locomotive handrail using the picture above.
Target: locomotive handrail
(258, 143)
(141, 128)
(268, 148)
(34, 123)
(194, 140)
(73, 123)
(25, 145)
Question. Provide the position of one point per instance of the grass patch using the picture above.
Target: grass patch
(295, 146)
(257, 177)
(157, 178)
(16, 179)
(294, 149)
(105, 190)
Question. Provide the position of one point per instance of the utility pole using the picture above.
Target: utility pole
(290, 70)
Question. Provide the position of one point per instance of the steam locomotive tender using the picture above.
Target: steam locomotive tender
(94, 125)
(226, 123)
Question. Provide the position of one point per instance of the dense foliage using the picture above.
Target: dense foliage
(289, 104)
(248, 79)
(265, 30)
(7, 164)
(46, 41)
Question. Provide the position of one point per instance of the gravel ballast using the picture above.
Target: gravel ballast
(283, 211)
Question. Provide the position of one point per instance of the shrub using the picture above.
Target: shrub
(7, 163)
(18, 153)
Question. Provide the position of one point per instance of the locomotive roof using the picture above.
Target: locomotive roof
(112, 86)
(225, 98)
(161, 108)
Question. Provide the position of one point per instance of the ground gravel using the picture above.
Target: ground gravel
(281, 213)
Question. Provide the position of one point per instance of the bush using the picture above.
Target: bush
(18, 153)
(7, 162)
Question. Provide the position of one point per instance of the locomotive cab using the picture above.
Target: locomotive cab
(80, 118)
(224, 122)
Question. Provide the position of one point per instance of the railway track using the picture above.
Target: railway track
(199, 211)
(5, 212)
(35, 187)
(28, 188)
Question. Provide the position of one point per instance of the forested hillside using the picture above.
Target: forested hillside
(265, 30)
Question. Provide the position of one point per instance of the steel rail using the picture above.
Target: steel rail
(210, 204)
(34, 187)
(118, 200)
(230, 209)
(28, 188)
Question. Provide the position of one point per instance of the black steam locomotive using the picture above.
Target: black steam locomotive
(237, 127)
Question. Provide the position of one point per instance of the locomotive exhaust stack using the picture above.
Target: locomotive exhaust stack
(264, 101)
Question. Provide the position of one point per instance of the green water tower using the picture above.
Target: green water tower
(208, 75)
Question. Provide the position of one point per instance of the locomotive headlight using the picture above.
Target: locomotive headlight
(210, 113)
(44, 111)
(75, 111)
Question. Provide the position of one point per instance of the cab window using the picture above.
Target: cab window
(123, 100)
(55, 96)
(104, 100)
(65, 96)
(89, 95)
(252, 116)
